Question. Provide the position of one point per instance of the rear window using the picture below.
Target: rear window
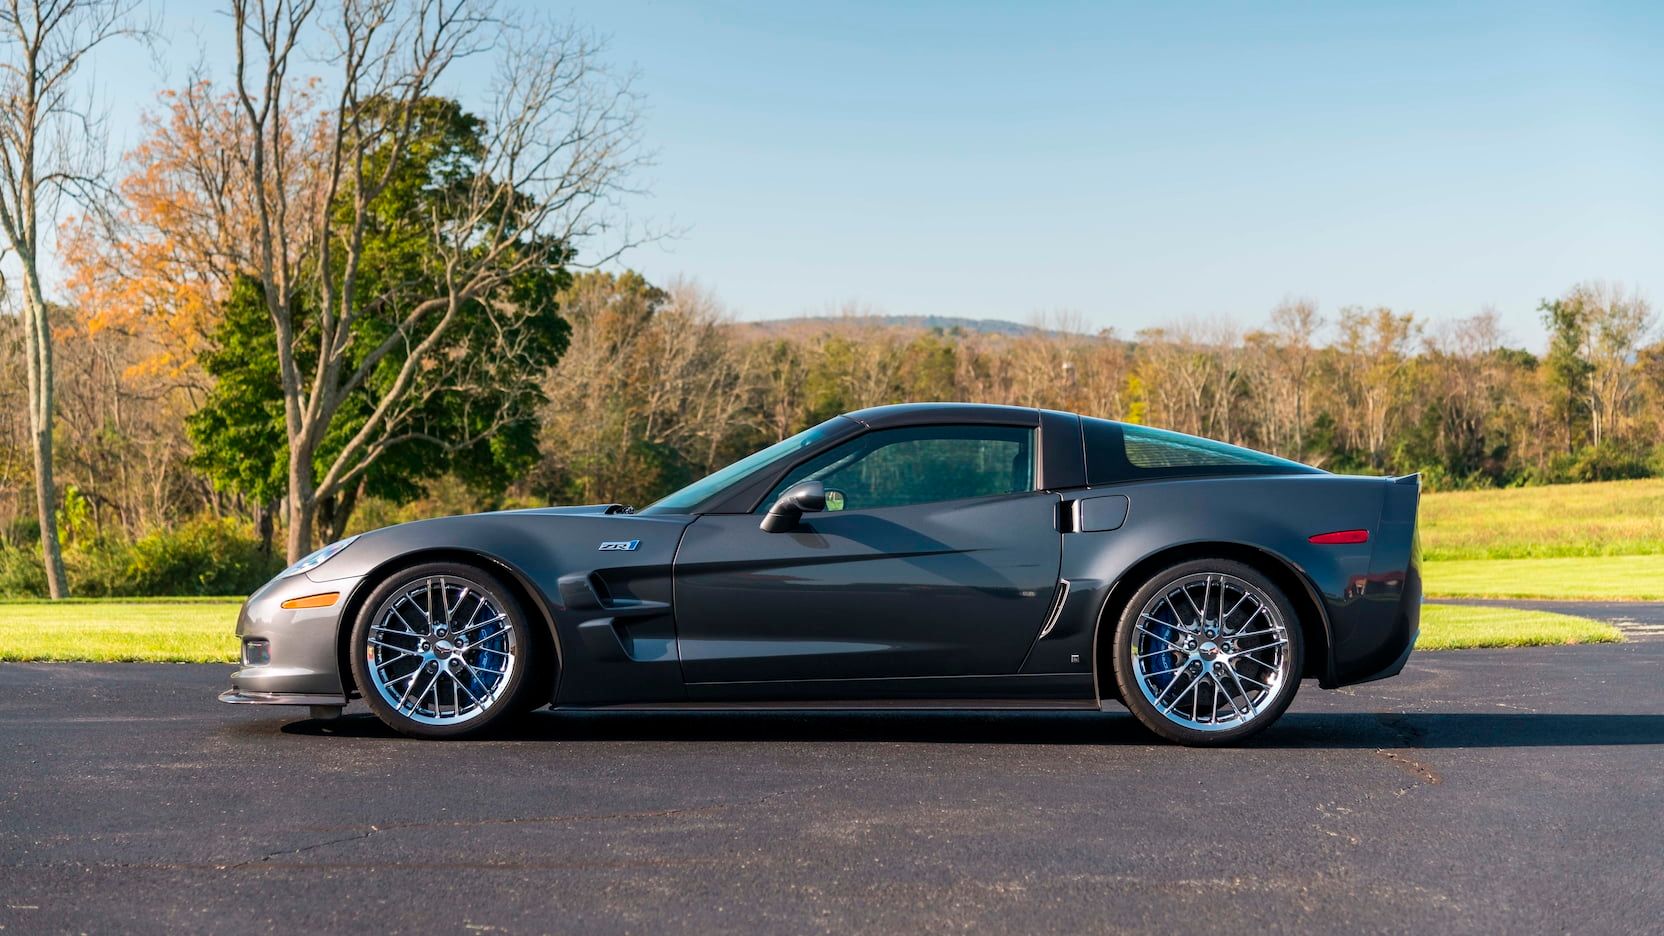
(1119, 452)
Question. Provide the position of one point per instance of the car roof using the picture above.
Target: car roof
(924, 414)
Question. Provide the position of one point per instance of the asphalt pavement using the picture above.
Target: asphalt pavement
(1480, 791)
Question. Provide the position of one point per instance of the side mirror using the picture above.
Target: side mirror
(799, 499)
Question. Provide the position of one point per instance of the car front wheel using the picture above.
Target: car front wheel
(442, 650)
(1208, 652)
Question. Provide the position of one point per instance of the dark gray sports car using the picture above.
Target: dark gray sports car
(906, 556)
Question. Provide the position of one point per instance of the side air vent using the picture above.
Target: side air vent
(1056, 612)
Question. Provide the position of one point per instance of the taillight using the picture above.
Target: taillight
(1341, 538)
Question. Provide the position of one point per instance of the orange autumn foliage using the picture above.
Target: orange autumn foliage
(185, 228)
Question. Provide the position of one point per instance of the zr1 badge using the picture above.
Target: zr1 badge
(621, 545)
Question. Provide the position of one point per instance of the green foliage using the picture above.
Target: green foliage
(22, 575)
(204, 557)
(1568, 371)
(239, 434)
(200, 557)
(22, 531)
(1604, 462)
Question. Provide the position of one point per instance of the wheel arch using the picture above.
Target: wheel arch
(529, 595)
(1308, 607)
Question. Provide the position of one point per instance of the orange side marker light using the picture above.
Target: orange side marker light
(313, 601)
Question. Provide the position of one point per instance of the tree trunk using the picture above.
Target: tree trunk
(303, 505)
(38, 341)
(264, 520)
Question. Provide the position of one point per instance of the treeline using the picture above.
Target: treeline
(656, 386)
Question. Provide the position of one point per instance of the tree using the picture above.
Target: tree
(651, 394)
(472, 413)
(1374, 352)
(1620, 322)
(1289, 355)
(555, 146)
(1567, 321)
(50, 147)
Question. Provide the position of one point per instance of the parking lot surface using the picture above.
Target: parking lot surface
(1481, 791)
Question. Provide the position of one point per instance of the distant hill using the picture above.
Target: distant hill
(922, 322)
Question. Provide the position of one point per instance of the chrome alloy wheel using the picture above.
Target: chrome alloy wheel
(1210, 651)
(441, 651)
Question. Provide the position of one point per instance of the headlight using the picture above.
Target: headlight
(308, 563)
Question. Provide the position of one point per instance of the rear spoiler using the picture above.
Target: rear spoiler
(1414, 479)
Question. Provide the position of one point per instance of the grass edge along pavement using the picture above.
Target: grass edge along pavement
(201, 631)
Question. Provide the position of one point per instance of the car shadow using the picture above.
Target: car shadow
(1298, 730)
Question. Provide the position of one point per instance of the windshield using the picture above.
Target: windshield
(700, 491)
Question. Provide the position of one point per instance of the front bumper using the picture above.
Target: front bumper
(304, 665)
(280, 698)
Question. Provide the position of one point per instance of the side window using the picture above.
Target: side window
(1122, 451)
(896, 467)
(1158, 448)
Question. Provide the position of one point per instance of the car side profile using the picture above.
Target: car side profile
(917, 555)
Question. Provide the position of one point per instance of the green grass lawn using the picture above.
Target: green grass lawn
(1596, 578)
(174, 630)
(1609, 518)
(1454, 627)
(121, 630)
(1601, 541)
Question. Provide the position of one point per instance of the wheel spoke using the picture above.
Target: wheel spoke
(1246, 698)
(1180, 698)
(1157, 636)
(450, 609)
(387, 646)
(474, 700)
(485, 623)
(1227, 614)
(1270, 646)
(1191, 601)
(1178, 619)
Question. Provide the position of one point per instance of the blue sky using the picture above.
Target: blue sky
(1135, 164)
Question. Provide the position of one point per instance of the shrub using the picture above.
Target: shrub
(199, 558)
(202, 557)
(1603, 462)
(23, 532)
(21, 572)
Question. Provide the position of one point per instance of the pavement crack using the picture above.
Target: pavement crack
(1425, 773)
(282, 853)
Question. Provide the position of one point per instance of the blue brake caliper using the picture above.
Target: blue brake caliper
(489, 650)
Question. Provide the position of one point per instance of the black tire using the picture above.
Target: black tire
(429, 647)
(1201, 654)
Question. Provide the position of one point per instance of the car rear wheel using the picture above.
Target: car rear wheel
(1208, 652)
(443, 650)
